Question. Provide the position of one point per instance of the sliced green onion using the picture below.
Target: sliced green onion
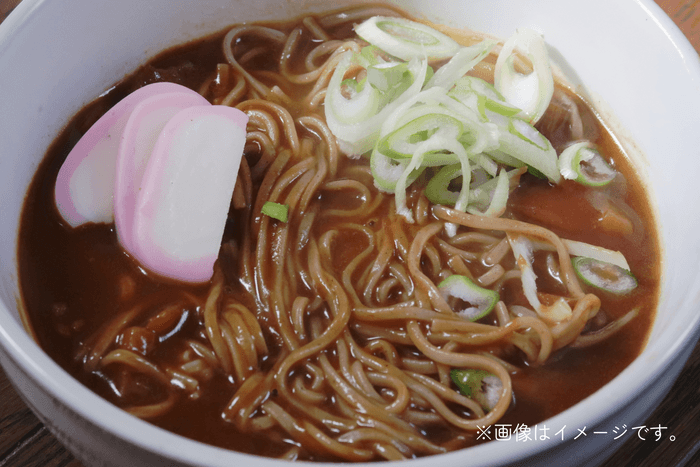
(409, 128)
(518, 142)
(448, 145)
(373, 55)
(352, 87)
(483, 95)
(576, 248)
(479, 86)
(458, 66)
(605, 276)
(436, 100)
(423, 102)
(528, 133)
(437, 190)
(480, 385)
(505, 159)
(408, 110)
(498, 196)
(487, 199)
(387, 171)
(522, 250)
(466, 298)
(356, 121)
(523, 142)
(344, 111)
(276, 211)
(482, 194)
(536, 173)
(531, 92)
(406, 39)
(386, 76)
(476, 136)
(403, 142)
(361, 102)
(501, 108)
(583, 163)
(483, 161)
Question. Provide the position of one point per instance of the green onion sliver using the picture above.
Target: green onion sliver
(498, 195)
(522, 141)
(583, 163)
(481, 96)
(482, 195)
(438, 188)
(276, 211)
(484, 162)
(479, 86)
(363, 103)
(522, 250)
(436, 143)
(387, 171)
(604, 276)
(576, 248)
(505, 159)
(406, 39)
(372, 55)
(460, 290)
(386, 76)
(458, 66)
(533, 92)
(483, 387)
(476, 136)
(501, 108)
(403, 142)
(356, 121)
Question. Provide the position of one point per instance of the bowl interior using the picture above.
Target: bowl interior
(634, 64)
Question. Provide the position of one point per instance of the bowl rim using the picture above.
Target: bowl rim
(30, 358)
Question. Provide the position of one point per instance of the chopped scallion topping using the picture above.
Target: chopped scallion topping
(462, 62)
(387, 171)
(403, 142)
(355, 113)
(529, 92)
(438, 188)
(276, 211)
(583, 163)
(467, 299)
(604, 276)
(412, 120)
(480, 385)
(406, 39)
(384, 76)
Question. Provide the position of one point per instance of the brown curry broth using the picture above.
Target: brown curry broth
(69, 277)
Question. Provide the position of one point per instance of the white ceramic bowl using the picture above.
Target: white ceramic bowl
(57, 56)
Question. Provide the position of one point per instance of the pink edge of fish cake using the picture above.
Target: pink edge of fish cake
(84, 190)
(187, 188)
(138, 141)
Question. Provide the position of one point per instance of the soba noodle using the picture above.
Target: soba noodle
(330, 327)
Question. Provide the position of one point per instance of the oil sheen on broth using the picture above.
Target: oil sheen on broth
(76, 281)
